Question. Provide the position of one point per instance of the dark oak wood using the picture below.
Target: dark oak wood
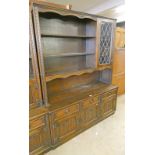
(35, 95)
(75, 84)
(39, 133)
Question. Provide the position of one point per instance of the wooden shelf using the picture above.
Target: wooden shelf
(79, 72)
(69, 54)
(67, 36)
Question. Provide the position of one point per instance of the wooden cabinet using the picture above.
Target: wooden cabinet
(120, 38)
(71, 71)
(67, 122)
(118, 77)
(39, 134)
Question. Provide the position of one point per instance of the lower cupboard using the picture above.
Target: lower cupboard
(51, 128)
(67, 122)
(39, 134)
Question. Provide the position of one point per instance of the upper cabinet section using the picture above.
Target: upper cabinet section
(105, 41)
(67, 42)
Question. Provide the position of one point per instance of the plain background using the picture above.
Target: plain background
(140, 77)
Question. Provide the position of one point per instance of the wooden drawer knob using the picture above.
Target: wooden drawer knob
(66, 110)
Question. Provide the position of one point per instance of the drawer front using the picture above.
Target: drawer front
(109, 93)
(90, 101)
(108, 98)
(36, 123)
(66, 111)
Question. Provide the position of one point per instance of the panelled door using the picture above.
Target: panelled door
(108, 105)
(65, 127)
(89, 112)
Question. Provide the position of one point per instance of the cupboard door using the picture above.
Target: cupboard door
(65, 128)
(39, 136)
(89, 112)
(105, 41)
(108, 105)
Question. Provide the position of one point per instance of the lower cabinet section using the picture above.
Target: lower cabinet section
(68, 121)
(39, 135)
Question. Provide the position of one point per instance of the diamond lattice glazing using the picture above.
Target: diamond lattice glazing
(105, 43)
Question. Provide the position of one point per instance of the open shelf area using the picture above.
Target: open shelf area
(68, 45)
(68, 74)
(67, 26)
(77, 94)
(50, 77)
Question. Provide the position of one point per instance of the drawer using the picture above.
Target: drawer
(109, 93)
(90, 101)
(109, 98)
(66, 111)
(36, 123)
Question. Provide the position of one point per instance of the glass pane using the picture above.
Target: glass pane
(105, 43)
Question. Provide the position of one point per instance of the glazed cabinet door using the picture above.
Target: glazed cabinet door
(39, 136)
(35, 96)
(108, 104)
(89, 111)
(105, 41)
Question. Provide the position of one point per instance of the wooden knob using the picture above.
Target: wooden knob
(66, 110)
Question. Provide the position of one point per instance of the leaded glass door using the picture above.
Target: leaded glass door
(106, 32)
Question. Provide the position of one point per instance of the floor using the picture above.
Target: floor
(105, 138)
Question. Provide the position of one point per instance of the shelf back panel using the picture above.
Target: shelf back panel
(63, 45)
(60, 65)
(69, 25)
(58, 85)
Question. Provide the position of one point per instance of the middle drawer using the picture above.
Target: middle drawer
(66, 111)
(91, 100)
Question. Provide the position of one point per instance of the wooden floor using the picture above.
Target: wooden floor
(105, 138)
